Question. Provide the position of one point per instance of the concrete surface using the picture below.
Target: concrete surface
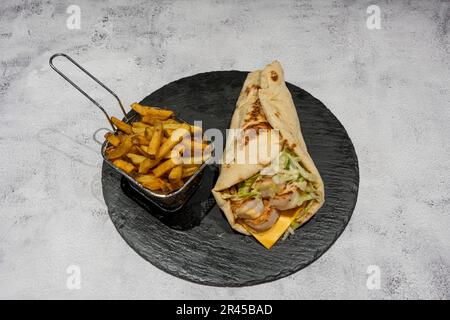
(389, 87)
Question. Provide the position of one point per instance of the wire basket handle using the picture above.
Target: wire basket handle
(82, 91)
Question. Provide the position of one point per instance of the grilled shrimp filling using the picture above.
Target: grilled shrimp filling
(282, 185)
(265, 221)
(248, 209)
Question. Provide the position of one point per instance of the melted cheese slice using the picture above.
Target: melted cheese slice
(269, 237)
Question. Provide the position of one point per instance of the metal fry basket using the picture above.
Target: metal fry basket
(167, 202)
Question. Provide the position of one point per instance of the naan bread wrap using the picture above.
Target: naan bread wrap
(266, 101)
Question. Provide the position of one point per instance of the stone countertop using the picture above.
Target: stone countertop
(389, 87)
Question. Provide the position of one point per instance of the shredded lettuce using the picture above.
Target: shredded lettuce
(245, 190)
(301, 183)
(241, 196)
(294, 165)
(245, 186)
(285, 168)
(295, 224)
(285, 160)
(306, 197)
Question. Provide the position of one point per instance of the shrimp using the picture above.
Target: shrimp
(248, 209)
(285, 201)
(267, 187)
(264, 221)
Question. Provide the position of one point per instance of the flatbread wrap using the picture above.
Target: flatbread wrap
(267, 194)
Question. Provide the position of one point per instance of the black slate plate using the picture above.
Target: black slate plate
(201, 246)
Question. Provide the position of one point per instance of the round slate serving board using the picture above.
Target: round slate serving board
(197, 244)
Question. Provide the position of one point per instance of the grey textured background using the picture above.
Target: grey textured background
(389, 88)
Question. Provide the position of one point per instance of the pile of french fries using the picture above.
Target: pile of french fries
(158, 151)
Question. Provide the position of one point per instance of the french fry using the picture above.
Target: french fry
(155, 185)
(137, 130)
(146, 165)
(187, 172)
(112, 139)
(139, 124)
(121, 150)
(178, 150)
(149, 133)
(136, 158)
(150, 111)
(140, 139)
(146, 178)
(175, 174)
(154, 145)
(122, 126)
(161, 152)
(174, 126)
(190, 166)
(195, 129)
(134, 149)
(150, 182)
(165, 167)
(143, 150)
(150, 120)
(181, 132)
(137, 107)
(168, 145)
(173, 186)
(168, 132)
(124, 165)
